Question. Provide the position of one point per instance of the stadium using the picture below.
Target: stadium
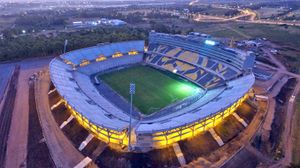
(184, 85)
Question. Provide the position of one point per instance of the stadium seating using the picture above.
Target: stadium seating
(85, 102)
(220, 72)
(193, 72)
(173, 52)
(110, 63)
(197, 52)
(107, 49)
(193, 58)
(73, 93)
(211, 101)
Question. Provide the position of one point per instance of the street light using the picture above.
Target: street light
(131, 92)
(65, 46)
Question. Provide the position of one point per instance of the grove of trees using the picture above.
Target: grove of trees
(30, 46)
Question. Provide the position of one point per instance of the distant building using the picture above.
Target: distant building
(186, 10)
(274, 51)
(249, 43)
(77, 23)
(200, 34)
(175, 13)
(94, 23)
(103, 21)
(253, 43)
(117, 22)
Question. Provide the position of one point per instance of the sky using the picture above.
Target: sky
(58, 0)
(125, 0)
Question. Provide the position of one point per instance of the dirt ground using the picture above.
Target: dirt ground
(199, 146)
(244, 159)
(229, 128)
(17, 142)
(37, 151)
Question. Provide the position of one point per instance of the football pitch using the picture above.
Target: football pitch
(155, 89)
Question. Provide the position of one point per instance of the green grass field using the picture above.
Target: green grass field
(155, 89)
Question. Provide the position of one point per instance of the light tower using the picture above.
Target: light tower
(131, 92)
(65, 46)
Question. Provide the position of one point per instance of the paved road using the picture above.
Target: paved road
(16, 153)
(6, 115)
(271, 22)
(5, 74)
(240, 18)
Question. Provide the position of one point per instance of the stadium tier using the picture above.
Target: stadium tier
(224, 77)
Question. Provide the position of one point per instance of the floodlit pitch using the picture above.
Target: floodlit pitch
(155, 89)
(168, 75)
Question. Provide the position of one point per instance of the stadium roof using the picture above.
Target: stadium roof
(106, 49)
(217, 100)
(76, 87)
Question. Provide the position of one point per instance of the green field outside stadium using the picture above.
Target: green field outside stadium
(155, 89)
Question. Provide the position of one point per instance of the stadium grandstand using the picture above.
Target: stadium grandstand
(222, 75)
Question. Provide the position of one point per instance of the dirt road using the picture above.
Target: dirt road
(63, 153)
(17, 141)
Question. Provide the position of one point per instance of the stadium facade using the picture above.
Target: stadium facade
(225, 75)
